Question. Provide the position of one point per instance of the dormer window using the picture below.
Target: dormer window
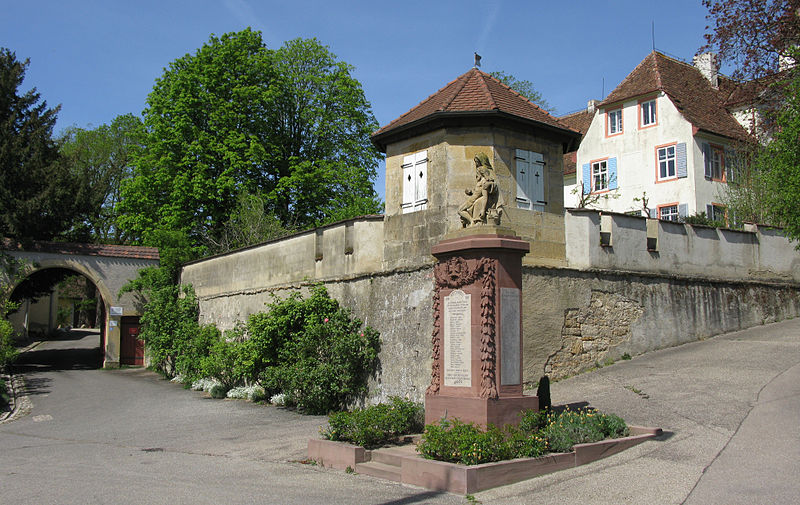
(614, 124)
(647, 113)
(415, 182)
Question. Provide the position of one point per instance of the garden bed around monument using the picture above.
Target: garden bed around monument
(404, 463)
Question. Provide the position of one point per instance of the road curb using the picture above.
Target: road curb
(19, 405)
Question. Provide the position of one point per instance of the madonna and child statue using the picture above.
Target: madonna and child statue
(483, 204)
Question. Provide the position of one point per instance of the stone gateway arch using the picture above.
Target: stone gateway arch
(108, 267)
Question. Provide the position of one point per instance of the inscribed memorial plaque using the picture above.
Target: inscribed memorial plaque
(457, 339)
(509, 336)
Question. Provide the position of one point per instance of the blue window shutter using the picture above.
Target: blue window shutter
(706, 159)
(587, 179)
(680, 160)
(612, 173)
(683, 209)
(653, 213)
(710, 211)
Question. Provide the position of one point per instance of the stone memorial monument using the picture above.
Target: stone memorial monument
(477, 329)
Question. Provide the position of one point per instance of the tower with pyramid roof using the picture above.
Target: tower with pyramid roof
(429, 164)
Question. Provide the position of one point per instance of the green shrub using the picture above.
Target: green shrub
(169, 324)
(376, 425)
(539, 432)
(326, 357)
(468, 444)
(218, 391)
(4, 396)
(568, 428)
(8, 351)
(222, 360)
(193, 350)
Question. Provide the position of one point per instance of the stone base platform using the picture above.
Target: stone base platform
(481, 411)
(403, 464)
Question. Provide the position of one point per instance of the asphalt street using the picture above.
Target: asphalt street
(729, 407)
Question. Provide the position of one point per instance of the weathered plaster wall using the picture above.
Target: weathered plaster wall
(397, 304)
(681, 249)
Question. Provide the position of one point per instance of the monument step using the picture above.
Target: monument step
(392, 455)
(379, 470)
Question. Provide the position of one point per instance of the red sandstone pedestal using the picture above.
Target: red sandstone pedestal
(477, 330)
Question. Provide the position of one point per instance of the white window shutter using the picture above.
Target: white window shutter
(706, 159)
(653, 213)
(409, 184)
(683, 210)
(710, 211)
(523, 167)
(421, 186)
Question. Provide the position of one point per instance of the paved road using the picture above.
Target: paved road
(729, 405)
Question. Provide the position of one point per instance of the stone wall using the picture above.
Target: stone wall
(397, 304)
(575, 320)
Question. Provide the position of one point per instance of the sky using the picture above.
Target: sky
(100, 58)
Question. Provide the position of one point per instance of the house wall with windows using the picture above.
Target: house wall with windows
(631, 155)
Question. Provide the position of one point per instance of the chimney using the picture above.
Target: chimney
(707, 64)
(591, 106)
(785, 62)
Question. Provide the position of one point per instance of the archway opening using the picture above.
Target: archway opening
(60, 304)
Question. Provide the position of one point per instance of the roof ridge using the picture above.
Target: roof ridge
(464, 78)
(485, 88)
(659, 83)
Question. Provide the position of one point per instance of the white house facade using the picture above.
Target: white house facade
(662, 142)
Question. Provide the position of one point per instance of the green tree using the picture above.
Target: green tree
(524, 88)
(39, 198)
(101, 158)
(249, 223)
(291, 125)
(779, 163)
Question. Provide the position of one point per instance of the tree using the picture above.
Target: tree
(290, 125)
(779, 164)
(249, 223)
(39, 198)
(524, 88)
(753, 35)
(101, 158)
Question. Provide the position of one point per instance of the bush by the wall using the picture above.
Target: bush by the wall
(8, 351)
(324, 359)
(378, 424)
(4, 396)
(222, 361)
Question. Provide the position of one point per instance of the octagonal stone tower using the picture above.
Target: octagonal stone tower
(429, 164)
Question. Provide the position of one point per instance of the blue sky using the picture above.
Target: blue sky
(99, 59)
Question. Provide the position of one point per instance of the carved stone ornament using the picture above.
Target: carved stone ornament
(455, 273)
(483, 204)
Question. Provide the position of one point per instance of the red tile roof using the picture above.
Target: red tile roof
(697, 100)
(115, 251)
(571, 163)
(474, 92)
(578, 121)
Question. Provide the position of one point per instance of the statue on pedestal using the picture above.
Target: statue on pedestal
(481, 206)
